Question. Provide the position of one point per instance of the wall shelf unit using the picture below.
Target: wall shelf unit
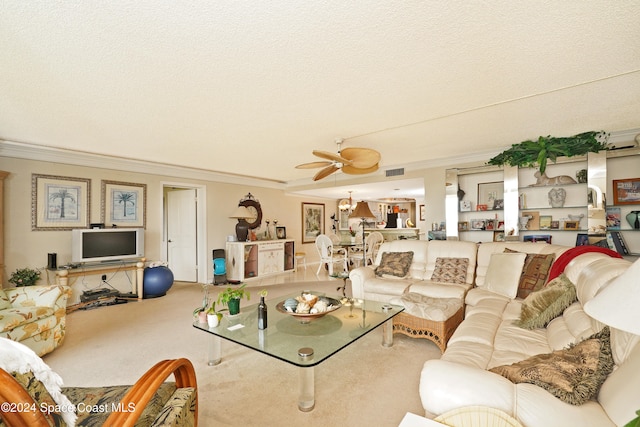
(584, 203)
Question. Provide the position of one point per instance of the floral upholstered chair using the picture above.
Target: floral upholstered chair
(34, 316)
(26, 382)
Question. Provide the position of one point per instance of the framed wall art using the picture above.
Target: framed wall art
(281, 232)
(626, 191)
(489, 193)
(124, 204)
(312, 221)
(422, 216)
(59, 202)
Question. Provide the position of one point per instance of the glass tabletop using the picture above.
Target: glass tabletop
(285, 335)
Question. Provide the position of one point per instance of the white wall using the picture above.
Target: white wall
(27, 248)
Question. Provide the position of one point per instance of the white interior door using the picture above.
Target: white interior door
(182, 241)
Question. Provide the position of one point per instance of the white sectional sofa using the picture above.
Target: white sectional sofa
(365, 284)
(488, 337)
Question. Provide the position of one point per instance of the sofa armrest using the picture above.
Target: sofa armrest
(358, 276)
(54, 296)
(447, 385)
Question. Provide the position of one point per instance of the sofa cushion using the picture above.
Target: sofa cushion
(534, 272)
(503, 274)
(4, 300)
(573, 375)
(542, 306)
(395, 264)
(450, 270)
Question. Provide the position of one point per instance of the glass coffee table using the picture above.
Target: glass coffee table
(302, 343)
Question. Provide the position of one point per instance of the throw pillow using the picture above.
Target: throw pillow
(573, 375)
(534, 272)
(451, 270)
(395, 264)
(503, 273)
(542, 306)
(4, 300)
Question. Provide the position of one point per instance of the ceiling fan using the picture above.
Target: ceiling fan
(352, 161)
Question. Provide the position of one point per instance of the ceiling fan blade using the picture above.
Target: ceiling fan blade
(361, 157)
(313, 165)
(351, 170)
(325, 172)
(331, 156)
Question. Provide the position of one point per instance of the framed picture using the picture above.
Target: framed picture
(500, 225)
(626, 191)
(465, 206)
(59, 202)
(582, 239)
(477, 224)
(534, 219)
(343, 220)
(498, 204)
(571, 225)
(545, 222)
(312, 221)
(124, 204)
(614, 218)
(422, 216)
(498, 236)
(463, 226)
(489, 192)
(555, 225)
(490, 224)
(281, 232)
(481, 207)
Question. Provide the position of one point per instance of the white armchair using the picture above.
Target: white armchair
(330, 255)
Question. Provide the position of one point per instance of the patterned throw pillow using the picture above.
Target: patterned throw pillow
(451, 270)
(573, 375)
(4, 300)
(395, 264)
(534, 272)
(542, 306)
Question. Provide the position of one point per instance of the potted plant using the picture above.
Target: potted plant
(231, 297)
(24, 277)
(214, 316)
(352, 233)
(200, 313)
(536, 153)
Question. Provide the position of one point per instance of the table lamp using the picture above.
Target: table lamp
(617, 304)
(242, 227)
(363, 212)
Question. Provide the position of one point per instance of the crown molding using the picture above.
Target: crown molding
(26, 151)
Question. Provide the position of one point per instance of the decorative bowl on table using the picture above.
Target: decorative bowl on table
(307, 306)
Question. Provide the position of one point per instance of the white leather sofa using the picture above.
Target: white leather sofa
(366, 285)
(488, 338)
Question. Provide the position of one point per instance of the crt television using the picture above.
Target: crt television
(106, 244)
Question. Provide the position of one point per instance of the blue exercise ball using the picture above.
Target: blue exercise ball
(157, 281)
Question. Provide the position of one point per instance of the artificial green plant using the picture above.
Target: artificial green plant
(536, 153)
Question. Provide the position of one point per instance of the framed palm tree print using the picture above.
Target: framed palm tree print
(59, 202)
(124, 204)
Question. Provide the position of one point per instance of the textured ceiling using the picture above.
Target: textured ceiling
(252, 87)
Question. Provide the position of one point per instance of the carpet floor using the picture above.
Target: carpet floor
(363, 384)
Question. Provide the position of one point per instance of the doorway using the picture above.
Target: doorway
(184, 239)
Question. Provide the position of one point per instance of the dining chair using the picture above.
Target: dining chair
(330, 255)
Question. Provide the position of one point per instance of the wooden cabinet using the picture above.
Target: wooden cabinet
(247, 260)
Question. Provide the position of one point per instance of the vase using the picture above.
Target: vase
(352, 239)
(633, 219)
(234, 306)
(213, 320)
(202, 317)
